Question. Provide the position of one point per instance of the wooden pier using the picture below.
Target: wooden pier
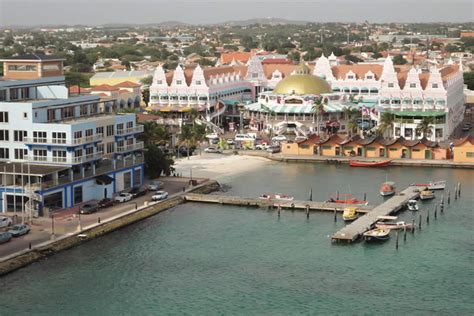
(256, 202)
(355, 230)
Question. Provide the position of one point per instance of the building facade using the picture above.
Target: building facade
(57, 151)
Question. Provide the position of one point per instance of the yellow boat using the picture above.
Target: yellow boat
(350, 214)
(426, 194)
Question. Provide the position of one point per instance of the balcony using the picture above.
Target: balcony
(64, 160)
(128, 148)
(127, 131)
(63, 141)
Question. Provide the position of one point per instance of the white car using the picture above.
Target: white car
(123, 197)
(214, 150)
(159, 195)
(279, 138)
(155, 185)
(261, 147)
(5, 221)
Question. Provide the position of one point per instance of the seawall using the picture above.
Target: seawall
(38, 252)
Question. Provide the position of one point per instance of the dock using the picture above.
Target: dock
(364, 223)
(273, 203)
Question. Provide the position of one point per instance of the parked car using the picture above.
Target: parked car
(138, 191)
(273, 149)
(214, 141)
(214, 150)
(5, 221)
(159, 195)
(5, 237)
(89, 208)
(261, 147)
(19, 230)
(230, 141)
(279, 138)
(155, 185)
(105, 203)
(123, 197)
(300, 138)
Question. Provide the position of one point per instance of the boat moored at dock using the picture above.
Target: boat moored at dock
(282, 197)
(350, 214)
(426, 194)
(394, 225)
(362, 163)
(433, 185)
(412, 205)
(387, 188)
(347, 199)
(377, 234)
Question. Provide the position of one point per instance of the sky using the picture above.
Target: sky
(99, 12)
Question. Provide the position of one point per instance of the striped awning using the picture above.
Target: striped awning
(292, 109)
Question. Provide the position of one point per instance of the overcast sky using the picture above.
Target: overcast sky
(70, 12)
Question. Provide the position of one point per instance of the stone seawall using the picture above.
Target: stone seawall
(26, 257)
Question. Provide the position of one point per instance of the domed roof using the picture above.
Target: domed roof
(301, 83)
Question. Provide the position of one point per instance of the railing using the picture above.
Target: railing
(136, 146)
(132, 130)
(65, 160)
(64, 141)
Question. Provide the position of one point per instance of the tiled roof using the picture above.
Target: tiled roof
(104, 87)
(340, 71)
(333, 138)
(226, 58)
(127, 84)
(34, 57)
(312, 139)
(461, 141)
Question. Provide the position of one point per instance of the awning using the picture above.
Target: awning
(104, 179)
(418, 113)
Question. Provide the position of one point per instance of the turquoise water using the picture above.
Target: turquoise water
(208, 259)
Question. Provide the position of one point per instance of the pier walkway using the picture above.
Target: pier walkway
(256, 202)
(354, 230)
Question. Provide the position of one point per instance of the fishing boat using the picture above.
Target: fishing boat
(350, 214)
(393, 225)
(426, 194)
(387, 188)
(377, 234)
(361, 163)
(283, 197)
(412, 205)
(433, 185)
(347, 199)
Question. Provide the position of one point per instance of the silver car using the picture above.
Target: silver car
(5, 221)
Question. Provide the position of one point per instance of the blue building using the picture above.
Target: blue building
(57, 151)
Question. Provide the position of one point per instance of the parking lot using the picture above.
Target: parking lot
(69, 221)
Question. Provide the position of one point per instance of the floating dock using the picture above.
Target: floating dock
(364, 223)
(256, 202)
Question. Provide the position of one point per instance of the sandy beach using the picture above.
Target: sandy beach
(217, 166)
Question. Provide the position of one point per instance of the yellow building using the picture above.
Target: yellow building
(116, 77)
(305, 148)
(463, 150)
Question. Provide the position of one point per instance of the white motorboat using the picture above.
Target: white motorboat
(392, 225)
(377, 234)
(412, 205)
(283, 197)
(433, 185)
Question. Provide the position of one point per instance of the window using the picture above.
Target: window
(40, 154)
(369, 77)
(470, 154)
(391, 85)
(110, 130)
(3, 95)
(4, 153)
(21, 68)
(59, 155)
(39, 137)
(99, 130)
(415, 150)
(3, 117)
(137, 177)
(78, 153)
(110, 147)
(51, 114)
(434, 86)
(83, 110)
(127, 180)
(130, 141)
(370, 148)
(68, 112)
(25, 115)
(350, 77)
(159, 81)
(397, 131)
(412, 85)
(179, 81)
(77, 134)
(100, 148)
(198, 82)
(254, 75)
(119, 127)
(89, 132)
(20, 153)
(4, 135)
(438, 132)
(51, 67)
(19, 136)
(393, 149)
(89, 151)
(59, 137)
(130, 124)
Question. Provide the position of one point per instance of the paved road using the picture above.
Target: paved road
(42, 227)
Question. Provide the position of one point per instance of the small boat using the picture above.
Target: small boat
(412, 205)
(347, 199)
(433, 185)
(426, 194)
(393, 225)
(377, 234)
(361, 163)
(387, 188)
(350, 214)
(276, 197)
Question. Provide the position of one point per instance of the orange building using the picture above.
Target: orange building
(32, 66)
(463, 150)
(331, 146)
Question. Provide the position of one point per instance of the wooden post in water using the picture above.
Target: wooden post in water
(459, 189)
(449, 197)
(436, 211)
(405, 233)
(279, 210)
(455, 192)
(413, 226)
(396, 242)
(365, 196)
(335, 215)
(427, 216)
(419, 223)
(337, 195)
(307, 211)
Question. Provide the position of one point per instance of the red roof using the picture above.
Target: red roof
(226, 58)
(277, 61)
(104, 87)
(127, 84)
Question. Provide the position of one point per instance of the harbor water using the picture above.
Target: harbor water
(202, 259)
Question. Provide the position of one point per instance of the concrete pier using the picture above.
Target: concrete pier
(364, 223)
(256, 202)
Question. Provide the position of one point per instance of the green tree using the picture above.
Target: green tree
(318, 111)
(146, 96)
(76, 79)
(8, 41)
(424, 127)
(147, 81)
(157, 162)
(399, 60)
(186, 137)
(386, 123)
(154, 134)
(469, 80)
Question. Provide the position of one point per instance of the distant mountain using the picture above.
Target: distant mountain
(270, 21)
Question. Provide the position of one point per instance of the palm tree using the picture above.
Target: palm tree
(193, 114)
(318, 110)
(386, 123)
(186, 137)
(352, 125)
(154, 134)
(424, 126)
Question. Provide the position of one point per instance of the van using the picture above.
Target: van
(243, 137)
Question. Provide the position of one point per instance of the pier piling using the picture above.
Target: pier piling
(419, 223)
(459, 189)
(436, 211)
(455, 192)
(335, 215)
(396, 242)
(449, 197)
(279, 210)
(98, 220)
(307, 211)
(427, 216)
(413, 226)
(365, 196)
(405, 233)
